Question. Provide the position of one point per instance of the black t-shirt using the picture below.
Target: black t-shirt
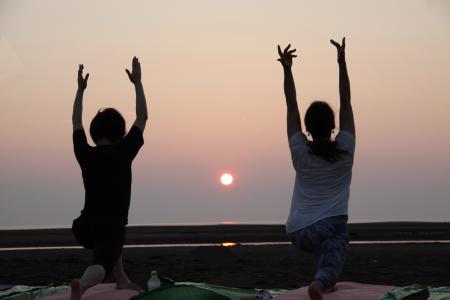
(106, 174)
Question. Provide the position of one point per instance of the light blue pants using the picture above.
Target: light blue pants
(328, 240)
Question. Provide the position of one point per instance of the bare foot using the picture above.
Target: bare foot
(75, 290)
(315, 291)
(130, 285)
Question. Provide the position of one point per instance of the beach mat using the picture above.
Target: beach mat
(344, 291)
(204, 291)
(5, 287)
(104, 291)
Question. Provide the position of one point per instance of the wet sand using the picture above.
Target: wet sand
(268, 266)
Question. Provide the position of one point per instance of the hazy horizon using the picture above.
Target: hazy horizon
(216, 104)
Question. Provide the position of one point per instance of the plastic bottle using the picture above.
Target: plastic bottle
(153, 282)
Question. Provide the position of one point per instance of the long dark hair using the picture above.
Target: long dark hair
(319, 121)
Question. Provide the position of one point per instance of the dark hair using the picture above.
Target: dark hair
(109, 124)
(319, 121)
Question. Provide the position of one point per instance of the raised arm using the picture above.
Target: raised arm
(346, 120)
(141, 102)
(77, 120)
(294, 124)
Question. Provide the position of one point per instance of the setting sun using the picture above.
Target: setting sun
(226, 179)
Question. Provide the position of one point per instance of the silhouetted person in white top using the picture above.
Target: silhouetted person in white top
(318, 216)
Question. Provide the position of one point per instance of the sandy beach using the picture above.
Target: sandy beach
(267, 266)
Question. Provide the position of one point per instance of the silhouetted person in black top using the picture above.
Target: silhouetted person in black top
(106, 171)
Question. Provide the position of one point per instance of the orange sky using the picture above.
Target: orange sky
(216, 103)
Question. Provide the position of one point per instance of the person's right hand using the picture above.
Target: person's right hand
(135, 74)
(286, 56)
(82, 82)
(340, 50)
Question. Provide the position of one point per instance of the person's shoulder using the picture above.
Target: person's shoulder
(135, 131)
(133, 135)
(136, 128)
(297, 137)
(345, 140)
(131, 143)
(346, 134)
(299, 151)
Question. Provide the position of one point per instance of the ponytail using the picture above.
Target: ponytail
(326, 149)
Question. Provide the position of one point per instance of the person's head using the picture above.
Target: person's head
(108, 124)
(319, 120)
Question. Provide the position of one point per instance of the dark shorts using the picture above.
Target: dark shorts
(105, 240)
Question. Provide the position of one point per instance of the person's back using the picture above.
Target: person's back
(107, 176)
(321, 188)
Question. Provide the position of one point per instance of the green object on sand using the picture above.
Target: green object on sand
(179, 291)
(23, 292)
(440, 293)
(400, 293)
(417, 291)
(200, 291)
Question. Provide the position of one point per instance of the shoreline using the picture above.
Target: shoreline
(257, 244)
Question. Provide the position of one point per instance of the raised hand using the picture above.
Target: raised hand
(286, 56)
(340, 50)
(82, 82)
(135, 75)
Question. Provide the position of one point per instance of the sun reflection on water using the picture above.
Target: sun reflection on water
(228, 244)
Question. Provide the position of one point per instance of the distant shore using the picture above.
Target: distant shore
(268, 266)
(239, 233)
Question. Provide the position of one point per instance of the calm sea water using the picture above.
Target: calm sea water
(187, 224)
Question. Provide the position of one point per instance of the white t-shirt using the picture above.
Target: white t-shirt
(321, 188)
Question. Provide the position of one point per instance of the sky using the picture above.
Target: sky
(216, 104)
